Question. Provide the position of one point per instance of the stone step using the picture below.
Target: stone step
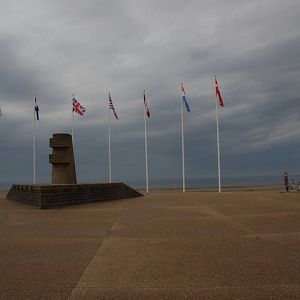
(48, 196)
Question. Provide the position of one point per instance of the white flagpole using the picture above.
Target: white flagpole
(182, 148)
(34, 144)
(218, 146)
(73, 117)
(109, 145)
(146, 150)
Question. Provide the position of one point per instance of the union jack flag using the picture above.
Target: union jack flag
(111, 106)
(77, 108)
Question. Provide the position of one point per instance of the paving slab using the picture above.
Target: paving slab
(38, 227)
(271, 223)
(188, 227)
(32, 267)
(187, 263)
(276, 292)
(290, 240)
(165, 199)
(166, 245)
(250, 203)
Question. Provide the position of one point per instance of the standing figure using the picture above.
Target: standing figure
(286, 181)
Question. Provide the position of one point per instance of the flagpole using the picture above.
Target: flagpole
(33, 146)
(218, 147)
(73, 127)
(146, 149)
(182, 149)
(109, 146)
(73, 121)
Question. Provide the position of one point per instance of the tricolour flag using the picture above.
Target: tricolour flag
(78, 108)
(146, 106)
(218, 93)
(36, 108)
(111, 106)
(184, 99)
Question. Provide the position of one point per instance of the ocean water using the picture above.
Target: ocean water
(199, 182)
(213, 182)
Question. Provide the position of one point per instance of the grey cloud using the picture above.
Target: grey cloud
(94, 47)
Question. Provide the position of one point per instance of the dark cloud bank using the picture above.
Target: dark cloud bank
(58, 48)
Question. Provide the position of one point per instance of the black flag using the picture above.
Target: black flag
(36, 108)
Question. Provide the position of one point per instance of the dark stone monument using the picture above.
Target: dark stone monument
(64, 189)
(62, 159)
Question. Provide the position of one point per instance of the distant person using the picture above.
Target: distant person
(286, 181)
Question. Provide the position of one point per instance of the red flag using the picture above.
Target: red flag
(146, 106)
(218, 93)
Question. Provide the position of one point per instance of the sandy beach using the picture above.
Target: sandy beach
(242, 244)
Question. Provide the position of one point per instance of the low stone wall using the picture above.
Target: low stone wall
(55, 195)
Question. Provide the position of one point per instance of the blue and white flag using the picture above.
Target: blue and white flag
(184, 99)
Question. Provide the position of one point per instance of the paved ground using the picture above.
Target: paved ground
(201, 245)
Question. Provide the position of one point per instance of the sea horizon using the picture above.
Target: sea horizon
(192, 183)
(212, 182)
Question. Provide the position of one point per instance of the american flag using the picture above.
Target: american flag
(146, 106)
(218, 93)
(77, 108)
(111, 106)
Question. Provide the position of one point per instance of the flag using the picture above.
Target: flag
(146, 106)
(111, 106)
(184, 99)
(218, 93)
(36, 108)
(0, 112)
(77, 108)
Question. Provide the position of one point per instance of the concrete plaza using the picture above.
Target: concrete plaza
(167, 245)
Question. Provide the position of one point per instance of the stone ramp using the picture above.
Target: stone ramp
(55, 195)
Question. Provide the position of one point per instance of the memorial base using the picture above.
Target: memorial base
(46, 196)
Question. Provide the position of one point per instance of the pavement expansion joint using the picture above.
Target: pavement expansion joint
(95, 254)
(217, 214)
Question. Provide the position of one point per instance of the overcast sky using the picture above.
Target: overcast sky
(56, 48)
